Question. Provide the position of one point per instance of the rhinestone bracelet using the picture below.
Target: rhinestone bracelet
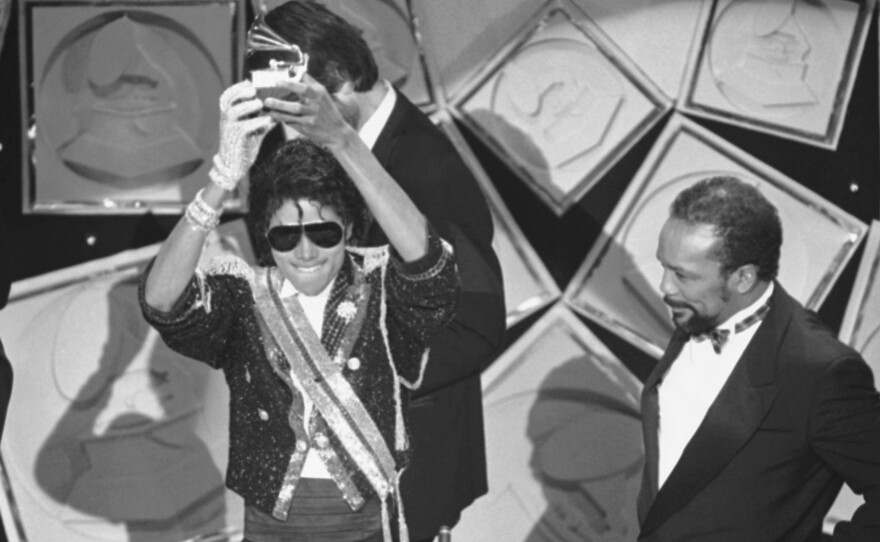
(202, 216)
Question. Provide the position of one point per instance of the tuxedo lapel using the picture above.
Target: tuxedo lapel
(650, 421)
(734, 416)
(392, 130)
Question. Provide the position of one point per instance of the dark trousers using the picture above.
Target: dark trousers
(318, 514)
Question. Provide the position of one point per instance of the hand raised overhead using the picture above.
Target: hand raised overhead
(240, 134)
(317, 114)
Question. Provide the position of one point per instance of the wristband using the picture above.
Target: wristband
(202, 216)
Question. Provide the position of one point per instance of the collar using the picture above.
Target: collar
(371, 129)
(738, 323)
(289, 290)
(731, 323)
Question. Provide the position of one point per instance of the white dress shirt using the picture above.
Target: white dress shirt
(371, 129)
(692, 383)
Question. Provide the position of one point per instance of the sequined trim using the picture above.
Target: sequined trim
(203, 297)
(288, 486)
(322, 379)
(360, 298)
(423, 364)
(294, 420)
(374, 257)
(230, 264)
(343, 479)
(445, 255)
(401, 440)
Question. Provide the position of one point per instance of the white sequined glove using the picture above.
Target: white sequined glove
(240, 134)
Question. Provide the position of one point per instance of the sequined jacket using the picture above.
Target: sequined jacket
(216, 321)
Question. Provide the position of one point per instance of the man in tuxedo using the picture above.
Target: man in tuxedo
(448, 462)
(756, 414)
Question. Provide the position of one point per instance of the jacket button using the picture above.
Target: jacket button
(301, 445)
(354, 364)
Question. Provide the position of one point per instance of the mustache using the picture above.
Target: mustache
(676, 304)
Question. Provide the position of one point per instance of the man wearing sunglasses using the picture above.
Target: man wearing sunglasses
(319, 343)
(448, 469)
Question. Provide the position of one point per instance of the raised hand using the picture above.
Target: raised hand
(241, 134)
(316, 114)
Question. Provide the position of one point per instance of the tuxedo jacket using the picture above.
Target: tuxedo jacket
(797, 417)
(448, 463)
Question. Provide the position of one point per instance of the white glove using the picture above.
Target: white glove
(240, 136)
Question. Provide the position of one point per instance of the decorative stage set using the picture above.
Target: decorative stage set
(581, 119)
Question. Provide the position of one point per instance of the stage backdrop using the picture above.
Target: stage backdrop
(578, 117)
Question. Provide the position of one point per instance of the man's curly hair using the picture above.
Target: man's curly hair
(747, 224)
(301, 169)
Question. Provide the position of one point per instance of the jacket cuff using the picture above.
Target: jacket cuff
(191, 298)
(439, 251)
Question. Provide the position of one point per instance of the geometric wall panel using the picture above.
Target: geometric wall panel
(110, 435)
(656, 34)
(784, 67)
(564, 440)
(119, 102)
(861, 330)
(528, 285)
(618, 284)
(560, 103)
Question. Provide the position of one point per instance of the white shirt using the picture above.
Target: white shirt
(313, 307)
(371, 129)
(692, 383)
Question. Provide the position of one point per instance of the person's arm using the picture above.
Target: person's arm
(845, 432)
(240, 139)
(450, 197)
(317, 117)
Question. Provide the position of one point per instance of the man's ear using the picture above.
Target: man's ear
(346, 89)
(745, 278)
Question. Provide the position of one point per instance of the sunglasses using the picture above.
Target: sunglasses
(323, 234)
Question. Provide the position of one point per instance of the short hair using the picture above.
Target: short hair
(746, 223)
(337, 50)
(302, 169)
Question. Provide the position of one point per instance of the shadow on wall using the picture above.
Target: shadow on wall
(126, 450)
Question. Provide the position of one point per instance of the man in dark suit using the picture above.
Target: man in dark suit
(756, 414)
(448, 465)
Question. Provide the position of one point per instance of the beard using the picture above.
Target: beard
(697, 322)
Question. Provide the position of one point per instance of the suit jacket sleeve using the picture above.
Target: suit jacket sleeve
(429, 169)
(846, 434)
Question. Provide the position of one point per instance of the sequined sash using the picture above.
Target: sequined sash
(321, 378)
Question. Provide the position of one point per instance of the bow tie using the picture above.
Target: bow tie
(718, 337)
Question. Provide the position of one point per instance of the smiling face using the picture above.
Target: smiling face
(308, 267)
(693, 285)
